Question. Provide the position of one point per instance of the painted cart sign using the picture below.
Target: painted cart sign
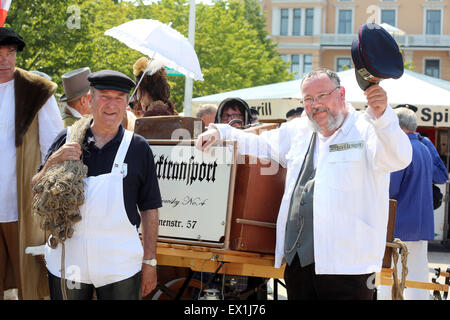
(196, 190)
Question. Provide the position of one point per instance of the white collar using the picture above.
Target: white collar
(74, 112)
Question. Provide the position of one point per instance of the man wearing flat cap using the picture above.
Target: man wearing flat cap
(105, 247)
(29, 122)
(76, 95)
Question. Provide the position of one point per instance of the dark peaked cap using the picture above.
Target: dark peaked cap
(111, 80)
(376, 56)
(9, 36)
(290, 113)
(407, 106)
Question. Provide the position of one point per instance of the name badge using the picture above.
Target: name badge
(124, 170)
(347, 146)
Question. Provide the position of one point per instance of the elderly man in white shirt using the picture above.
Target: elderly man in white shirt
(29, 122)
(331, 227)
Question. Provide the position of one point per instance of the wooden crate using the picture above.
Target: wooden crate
(168, 127)
(257, 199)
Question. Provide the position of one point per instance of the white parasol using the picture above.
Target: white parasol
(160, 42)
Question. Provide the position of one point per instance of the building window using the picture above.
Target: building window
(299, 63)
(307, 63)
(343, 64)
(295, 64)
(296, 22)
(432, 68)
(285, 57)
(284, 20)
(388, 16)
(433, 22)
(309, 21)
(345, 21)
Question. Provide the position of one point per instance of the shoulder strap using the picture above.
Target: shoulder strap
(122, 151)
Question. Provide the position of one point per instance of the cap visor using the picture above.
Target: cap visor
(363, 84)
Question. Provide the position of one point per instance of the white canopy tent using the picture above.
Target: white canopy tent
(272, 100)
(430, 95)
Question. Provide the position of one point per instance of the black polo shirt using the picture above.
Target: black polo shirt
(140, 186)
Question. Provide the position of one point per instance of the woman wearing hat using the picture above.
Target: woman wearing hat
(235, 112)
(153, 92)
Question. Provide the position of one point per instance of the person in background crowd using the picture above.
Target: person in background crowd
(158, 110)
(135, 108)
(294, 113)
(207, 112)
(414, 222)
(130, 116)
(153, 89)
(331, 227)
(121, 179)
(29, 121)
(440, 173)
(76, 95)
(129, 119)
(235, 111)
(255, 115)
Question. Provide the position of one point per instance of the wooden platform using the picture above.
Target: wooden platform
(204, 259)
(385, 278)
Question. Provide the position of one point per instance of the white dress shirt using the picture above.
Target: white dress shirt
(351, 195)
(50, 124)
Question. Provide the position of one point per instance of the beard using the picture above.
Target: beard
(333, 123)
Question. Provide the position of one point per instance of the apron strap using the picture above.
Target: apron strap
(122, 151)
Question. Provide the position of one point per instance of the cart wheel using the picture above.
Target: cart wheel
(171, 288)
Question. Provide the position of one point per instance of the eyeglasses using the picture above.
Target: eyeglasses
(226, 116)
(320, 98)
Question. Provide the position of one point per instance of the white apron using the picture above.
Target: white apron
(105, 246)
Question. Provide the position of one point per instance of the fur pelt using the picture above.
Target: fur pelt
(38, 90)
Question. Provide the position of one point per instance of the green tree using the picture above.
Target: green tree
(64, 35)
(231, 42)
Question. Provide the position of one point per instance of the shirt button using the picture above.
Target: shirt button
(302, 203)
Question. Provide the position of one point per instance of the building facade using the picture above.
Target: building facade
(319, 33)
